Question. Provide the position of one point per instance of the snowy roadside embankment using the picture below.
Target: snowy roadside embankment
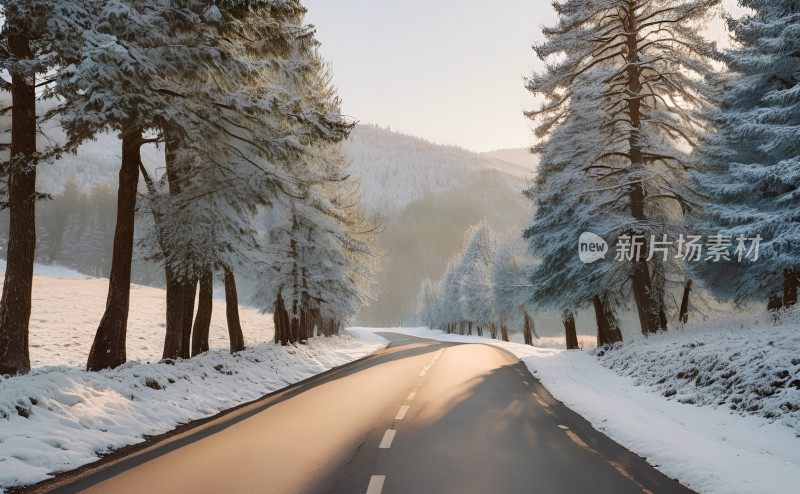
(60, 417)
(710, 449)
(749, 365)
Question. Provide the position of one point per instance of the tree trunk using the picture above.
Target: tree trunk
(176, 298)
(790, 287)
(318, 322)
(683, 316)
(189, 296)
(202, 323)
(504, 331)
(232, 313)
(108, 349)
(774, 303)
(461, 325)
(181, 292)
(646, 306)
(571, 333)
(303, 335)
(607, 330)
(281, 319)
(530, 330)
(470, 328)
(15, 304)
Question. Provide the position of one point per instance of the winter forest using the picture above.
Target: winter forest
(295, 246)
(681, 153)
(254, 179)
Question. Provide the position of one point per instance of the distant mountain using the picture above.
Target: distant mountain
(521, 157)
(429, 195)
(397, 169)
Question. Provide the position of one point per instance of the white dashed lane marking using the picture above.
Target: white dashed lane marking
(388, 437)
(431, 363)
(411, 395)
(564, 427)
(376, 484)
(402, 413)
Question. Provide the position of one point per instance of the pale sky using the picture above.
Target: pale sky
(450, 71)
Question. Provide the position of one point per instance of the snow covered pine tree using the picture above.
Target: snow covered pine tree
(39, 37)
(623, 81)
(753, 155)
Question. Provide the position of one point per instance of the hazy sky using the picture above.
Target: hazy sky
(450, 71)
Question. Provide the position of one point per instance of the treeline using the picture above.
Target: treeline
(479, 292)
(684, 158)
(74, 229)
(238, 98)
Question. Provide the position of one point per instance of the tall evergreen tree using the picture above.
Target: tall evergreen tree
(752, 181)
(637, 66)
(475, 272)
(38, 36)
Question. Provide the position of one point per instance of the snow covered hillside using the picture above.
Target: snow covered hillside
(518, 156)
(60, 417)
(397, 170)
(708, 448)
(429, 195)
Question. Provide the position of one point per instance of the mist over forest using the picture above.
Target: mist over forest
(426, 196)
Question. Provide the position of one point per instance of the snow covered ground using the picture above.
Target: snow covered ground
(67, 308)
(746, 364)
(60, 417)
(705, 445)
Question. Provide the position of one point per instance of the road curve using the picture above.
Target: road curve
(420, 416)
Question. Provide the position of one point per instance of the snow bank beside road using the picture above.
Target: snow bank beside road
(709, 449)
(749, 365)
(59, 418)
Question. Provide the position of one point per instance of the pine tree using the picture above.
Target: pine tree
(476, 295)
(253, 158)
(450, 313)
(636, 67)
(753, 176)
(321, 253)
(202, 79)
(510, 290)
(428, 305)
(38, 36)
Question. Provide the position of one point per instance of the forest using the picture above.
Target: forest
(237, 97)
(681, 154)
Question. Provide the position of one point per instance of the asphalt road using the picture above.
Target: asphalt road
(419, 417)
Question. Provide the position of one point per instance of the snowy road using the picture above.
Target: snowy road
(419, 416)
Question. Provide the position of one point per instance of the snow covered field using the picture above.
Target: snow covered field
(709, 448)
(67, 308)
(60, 417)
